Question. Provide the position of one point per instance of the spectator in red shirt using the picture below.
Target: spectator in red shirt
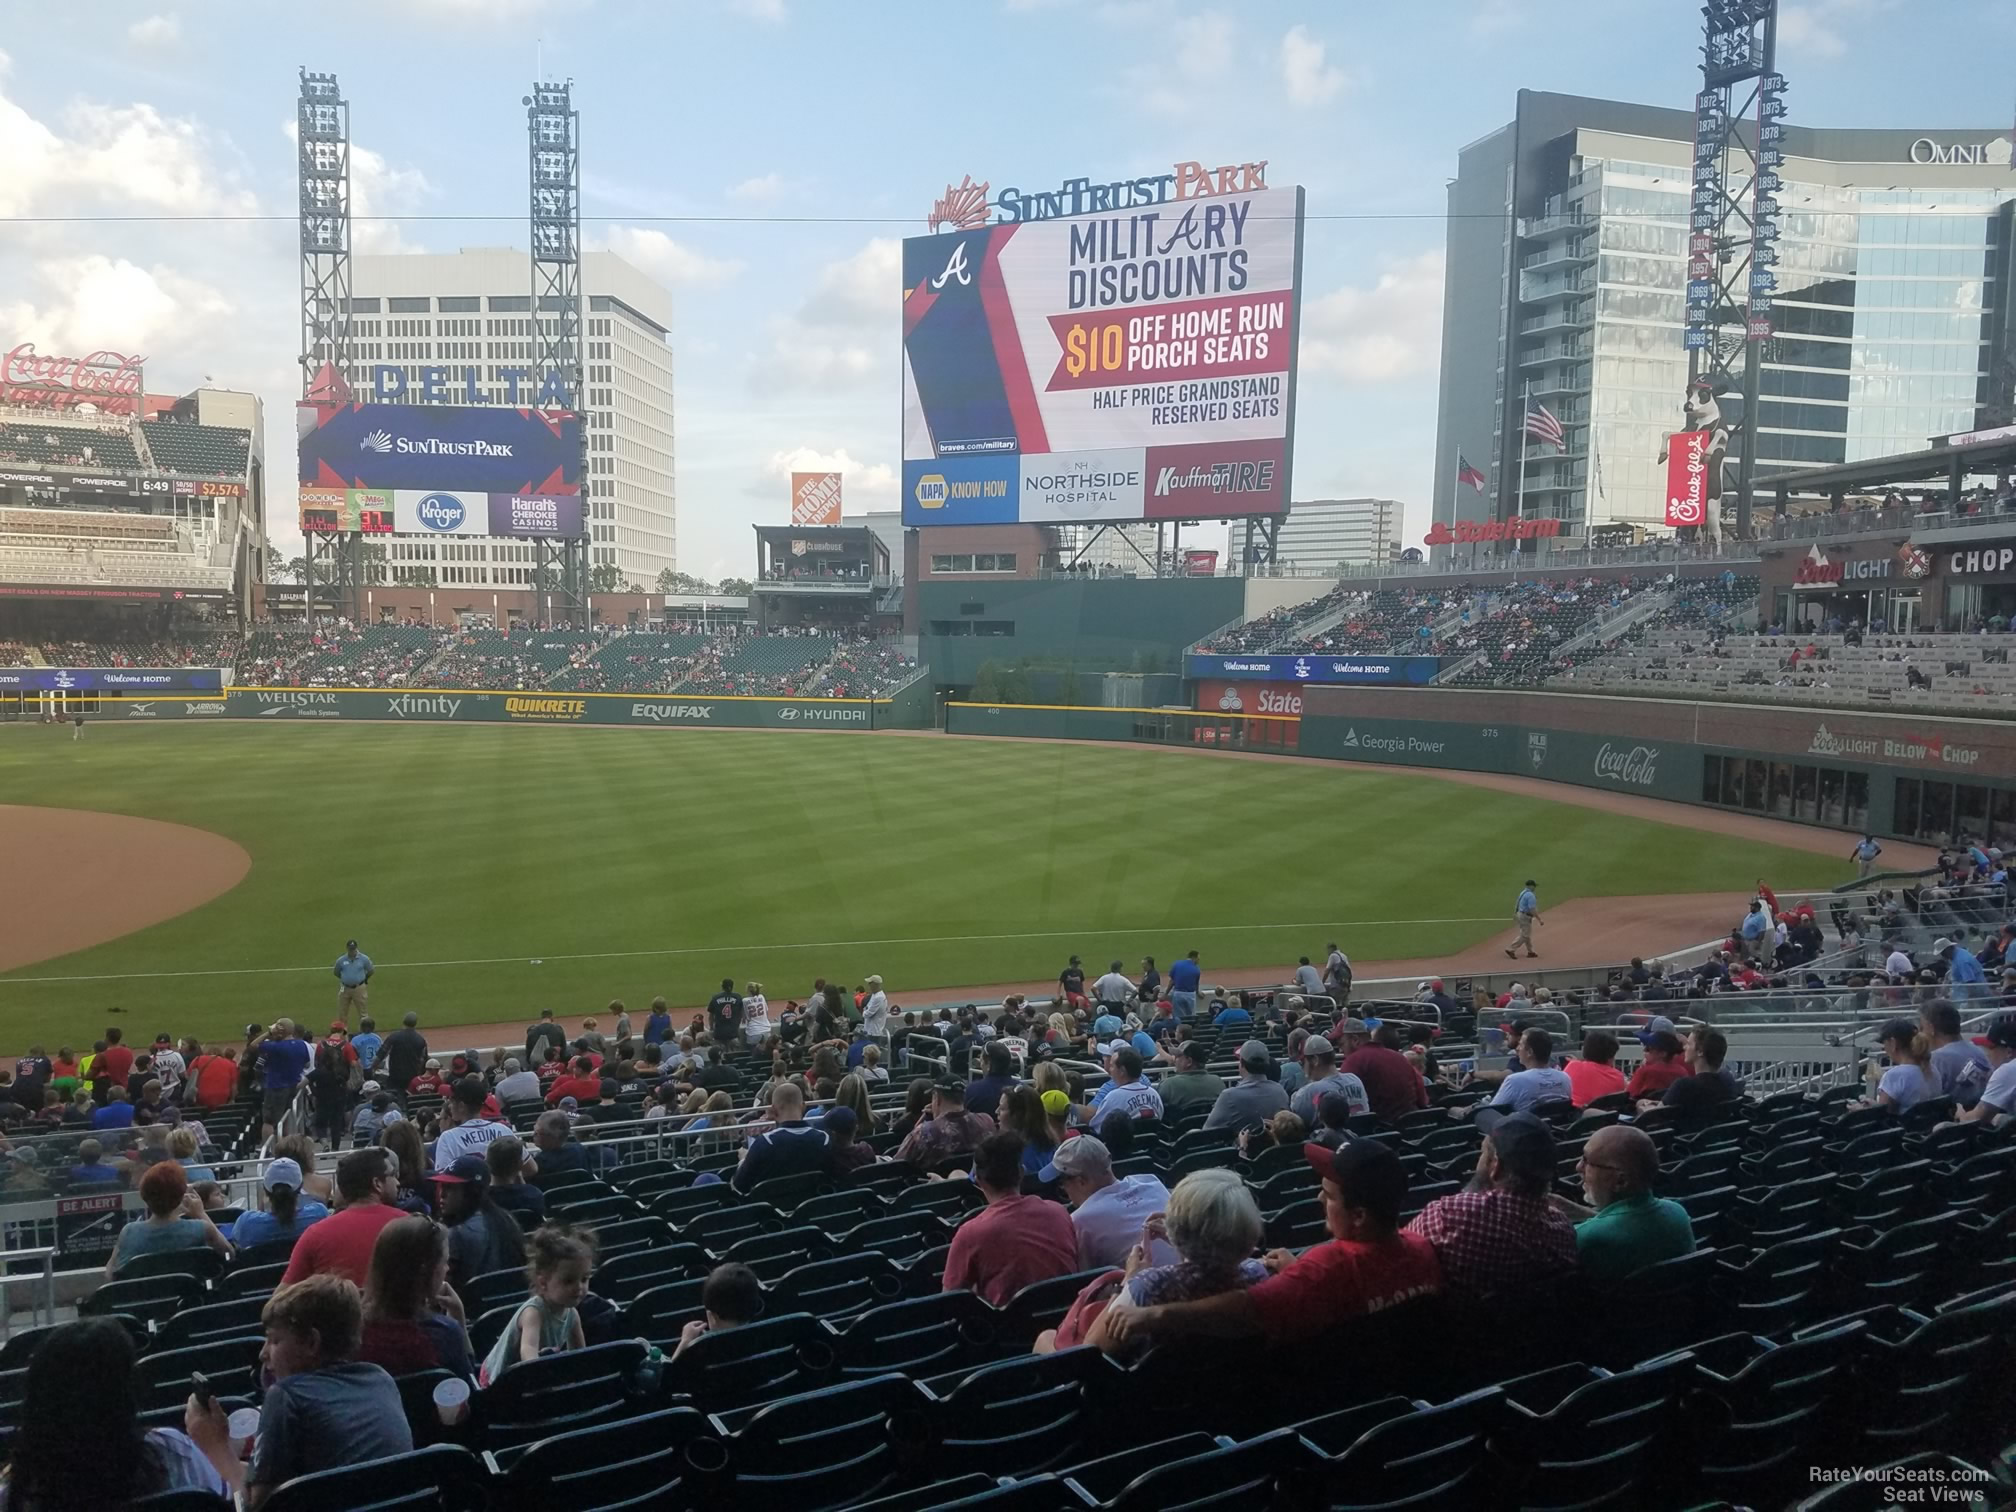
(1500, 1233)
(1014, 1240)
(1664, 1063)
(215, 1078)
(114, 1064)
(1392, 1085)
(1592, 1074)
(430, 1080)
(341, 1244)
(551, 1067)
(1368, 1264)
(582, 1084)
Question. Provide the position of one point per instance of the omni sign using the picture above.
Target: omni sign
(1960, 154)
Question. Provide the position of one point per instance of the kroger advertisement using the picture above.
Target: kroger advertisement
(443, 512)
(1413, 670)
(1132, 364)
(481, 449)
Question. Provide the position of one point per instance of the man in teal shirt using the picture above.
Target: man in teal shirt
(1625, 1228)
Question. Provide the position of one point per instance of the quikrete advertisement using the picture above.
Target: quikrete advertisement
(1135, 362)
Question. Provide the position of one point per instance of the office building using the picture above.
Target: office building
(1567, 280)
(472, 310)
(1326, 533)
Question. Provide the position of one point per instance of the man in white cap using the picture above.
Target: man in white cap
(1108, 1211)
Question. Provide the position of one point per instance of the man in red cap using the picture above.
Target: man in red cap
(1369, 1263)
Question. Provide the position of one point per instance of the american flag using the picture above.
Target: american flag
(1468, 475)
(1543, 427)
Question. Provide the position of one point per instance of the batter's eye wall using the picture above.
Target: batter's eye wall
(1894, 774)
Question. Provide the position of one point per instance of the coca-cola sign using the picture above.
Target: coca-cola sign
(109, 380)
(1636, 767)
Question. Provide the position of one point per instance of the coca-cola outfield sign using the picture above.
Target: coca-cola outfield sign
(1637, 766)
(109, 380)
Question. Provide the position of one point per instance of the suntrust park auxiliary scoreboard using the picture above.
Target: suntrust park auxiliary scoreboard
(1134, 362)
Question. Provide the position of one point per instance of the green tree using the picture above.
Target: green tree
(736, 586)
(376, 564)
(605, 577)
(682, 582)
(1015, 686)
(986, 684)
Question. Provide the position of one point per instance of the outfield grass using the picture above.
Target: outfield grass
(682, 857)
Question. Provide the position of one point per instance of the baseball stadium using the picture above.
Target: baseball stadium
(893, 1029)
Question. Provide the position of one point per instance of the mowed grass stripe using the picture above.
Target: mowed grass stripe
(454, 843)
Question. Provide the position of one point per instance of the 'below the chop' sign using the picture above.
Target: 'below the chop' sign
(1636, 767)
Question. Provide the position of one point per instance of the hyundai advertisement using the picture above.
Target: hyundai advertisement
(474, 449)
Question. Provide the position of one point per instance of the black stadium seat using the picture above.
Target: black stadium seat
(444, 1478)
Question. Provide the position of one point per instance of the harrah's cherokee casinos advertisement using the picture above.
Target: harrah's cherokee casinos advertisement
(1127, 365)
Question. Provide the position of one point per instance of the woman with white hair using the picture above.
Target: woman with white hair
(1214, 1225)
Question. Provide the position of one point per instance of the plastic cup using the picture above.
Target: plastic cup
(451, 1401)
(243, 1426)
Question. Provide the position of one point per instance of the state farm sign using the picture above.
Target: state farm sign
(108, 380)
(1281, 700)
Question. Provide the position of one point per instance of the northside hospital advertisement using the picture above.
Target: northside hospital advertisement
(1133, 364)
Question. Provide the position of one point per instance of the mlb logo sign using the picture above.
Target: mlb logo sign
(1536, 750)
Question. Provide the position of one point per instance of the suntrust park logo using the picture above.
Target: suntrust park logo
(384, 444)
(672, 713)
(1637, 767)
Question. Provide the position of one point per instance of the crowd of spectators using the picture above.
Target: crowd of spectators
(1050, 1120)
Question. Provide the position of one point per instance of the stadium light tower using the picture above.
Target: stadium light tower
(554, 126)
(328, 354)
(1733, 221)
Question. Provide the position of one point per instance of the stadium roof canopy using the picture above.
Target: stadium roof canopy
(1977, 452)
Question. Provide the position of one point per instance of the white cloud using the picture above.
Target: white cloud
(672, 263)
(1823, 28)
(1202, 50)
(865, 289)
(379, 189)
(1309, 79)
(155, 32)
(486, 12)
(845, 331)
(1494, 18)
(98, 302)
(126, 155)
(1391, 330)
(760, 191)
(870, 484)
(770, 12)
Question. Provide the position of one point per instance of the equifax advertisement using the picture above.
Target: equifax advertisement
(1137, 364)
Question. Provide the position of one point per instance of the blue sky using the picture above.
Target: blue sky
(761, 157)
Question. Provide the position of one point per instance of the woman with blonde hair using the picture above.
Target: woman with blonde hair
(1061, 1029)
(871, 1067)
(182, 1149)
(853, 1093)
